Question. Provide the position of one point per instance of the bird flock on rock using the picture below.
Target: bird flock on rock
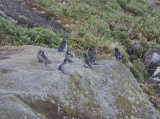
(88, 58)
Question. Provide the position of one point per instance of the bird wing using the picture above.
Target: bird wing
(93, 56)
(62, 46)
(46, 60)
(89, 53)
(87, 62)
(39, 57)
(60, 67)
(70, 55)
(118, 55)
(59, 49)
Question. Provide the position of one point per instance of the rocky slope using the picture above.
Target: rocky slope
(29, 14)
(29, 89)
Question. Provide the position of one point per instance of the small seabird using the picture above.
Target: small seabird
(85, 60)
(63, 45)
(92, 54)
(117, 54)
(69, 56)
(42, 58)
(63, 66)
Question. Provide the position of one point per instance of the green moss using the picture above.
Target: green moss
(132, 117)
(115, 72)
(134, 109)
(17, 35)
(141, 97)
(80, 91)
(71, 113)
(4, 70)
(158, 112)
(124, 105)
(131, 99)
(137, 74)
(127, 106)
(128, 81)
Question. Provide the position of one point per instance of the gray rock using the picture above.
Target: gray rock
(107, 91)
(13, 108)
(151, 59)
(155, 78)
(22, 13)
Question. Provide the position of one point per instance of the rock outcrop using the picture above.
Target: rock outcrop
(31, 90)
(155, 78)
(156, 3)
(30, 14)
(151, 59)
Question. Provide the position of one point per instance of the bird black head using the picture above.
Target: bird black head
(68, 51)
(84, 55)
(116, 49)
(92, 48)
(65, 60)
(41, 51)
(64, 39)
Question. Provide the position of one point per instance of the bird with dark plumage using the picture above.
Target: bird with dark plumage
(63, 66)
(69, 56)
(117, 54)
(92, 54)
(63, 45)
(42, 58)
(85, 60)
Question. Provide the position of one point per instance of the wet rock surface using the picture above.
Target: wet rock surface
(106, 91)
(30, 14)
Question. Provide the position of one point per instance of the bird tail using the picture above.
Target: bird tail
(59, 68)
(49, 62)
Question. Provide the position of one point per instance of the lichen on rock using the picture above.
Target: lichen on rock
(107, 91)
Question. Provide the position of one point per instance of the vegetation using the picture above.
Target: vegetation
(103, 23)
(138, 70)
(110, 24)
(17, 35)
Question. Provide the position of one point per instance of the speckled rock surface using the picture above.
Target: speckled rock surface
(31, 90)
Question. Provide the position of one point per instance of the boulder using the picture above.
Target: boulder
(134, 45)
(151, 59)
(31, 90)
(158, 2)
(21, 11)
(155, 78)
(12, 107)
